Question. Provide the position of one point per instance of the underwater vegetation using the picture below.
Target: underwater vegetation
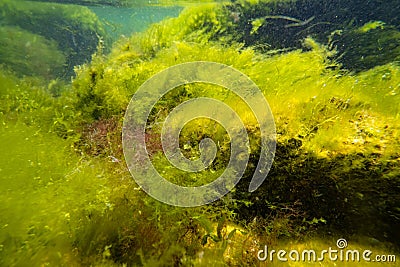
(30, 54)
(375, 43)
(284, 25)
(68, 198)
(333, 127)
(325, 130)
(74, 30)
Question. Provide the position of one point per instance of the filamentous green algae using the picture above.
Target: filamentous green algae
(68, 198)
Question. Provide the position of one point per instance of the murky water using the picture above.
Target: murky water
(128, 20)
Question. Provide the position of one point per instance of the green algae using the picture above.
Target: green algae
(30, 54)
(336, 169)
(75, 29)
(368, 46)
(331, 125)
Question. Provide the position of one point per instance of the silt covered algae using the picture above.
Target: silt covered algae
(73, 33)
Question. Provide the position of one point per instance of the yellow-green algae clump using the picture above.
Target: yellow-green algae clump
(337, 132)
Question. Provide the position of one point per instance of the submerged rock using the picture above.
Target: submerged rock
(30, 54)
(75, 29)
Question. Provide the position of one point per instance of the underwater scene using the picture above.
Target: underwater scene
(199, 133)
